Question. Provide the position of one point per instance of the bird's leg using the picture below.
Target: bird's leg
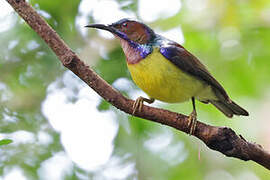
(192, 118)
(139, 103)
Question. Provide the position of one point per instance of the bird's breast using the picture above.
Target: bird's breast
(162, 80)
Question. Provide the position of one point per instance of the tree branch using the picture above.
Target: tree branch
(221, 139)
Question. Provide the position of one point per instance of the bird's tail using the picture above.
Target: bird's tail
(229, 108)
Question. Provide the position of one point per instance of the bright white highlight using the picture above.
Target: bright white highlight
(15, 173)
(152, 10)
(7, 19)
(174, 34)
(56, 167)
(161, 143)
(86, 133)
(104, 12)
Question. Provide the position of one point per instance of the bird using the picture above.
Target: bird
(166, 71)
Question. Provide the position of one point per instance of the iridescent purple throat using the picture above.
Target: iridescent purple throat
(135, 52)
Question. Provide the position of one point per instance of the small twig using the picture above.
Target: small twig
(221, 139)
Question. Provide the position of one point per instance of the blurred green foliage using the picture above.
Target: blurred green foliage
(231, 37)
(5, 142)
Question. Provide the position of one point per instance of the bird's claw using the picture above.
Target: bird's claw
(137, 105)
(192, 118)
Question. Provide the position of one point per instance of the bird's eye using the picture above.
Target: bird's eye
(124, 25)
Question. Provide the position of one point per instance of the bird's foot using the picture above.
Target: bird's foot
(139, 103)
(192, 118)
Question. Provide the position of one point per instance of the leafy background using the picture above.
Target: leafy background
(61, 129)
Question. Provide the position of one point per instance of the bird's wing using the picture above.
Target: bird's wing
(188, 63)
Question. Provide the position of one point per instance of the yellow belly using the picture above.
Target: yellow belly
(164, 81)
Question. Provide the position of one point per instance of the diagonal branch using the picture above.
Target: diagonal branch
(221, 139)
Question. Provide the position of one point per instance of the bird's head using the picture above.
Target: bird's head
(128, 30)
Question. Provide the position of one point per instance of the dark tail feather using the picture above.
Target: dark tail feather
(229, 108)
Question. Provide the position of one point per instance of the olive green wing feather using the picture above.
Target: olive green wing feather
(188, 63)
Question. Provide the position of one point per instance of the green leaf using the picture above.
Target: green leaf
(103, 106)
(5, 142)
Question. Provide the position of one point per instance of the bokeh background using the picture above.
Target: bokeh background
(61, 129)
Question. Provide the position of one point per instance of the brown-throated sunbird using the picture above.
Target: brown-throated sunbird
(166, 71)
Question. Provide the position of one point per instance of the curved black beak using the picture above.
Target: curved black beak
(109, 28)
(103, 27)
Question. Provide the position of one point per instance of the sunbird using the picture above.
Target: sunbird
(166, 71)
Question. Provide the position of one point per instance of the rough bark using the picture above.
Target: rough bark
(221, 139)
